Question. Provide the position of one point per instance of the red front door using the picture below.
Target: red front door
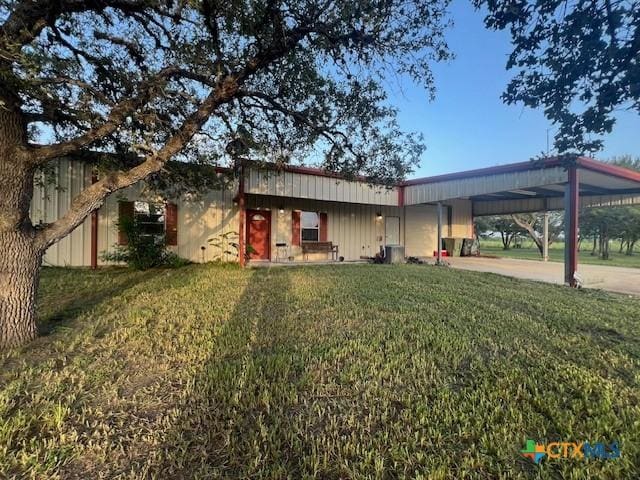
(259, 234)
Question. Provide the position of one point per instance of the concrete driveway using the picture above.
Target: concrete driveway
(613, 279)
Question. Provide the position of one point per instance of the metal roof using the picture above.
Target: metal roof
(529, 186)
(517, 187)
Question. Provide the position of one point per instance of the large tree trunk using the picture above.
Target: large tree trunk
(20, 254)
(19, 275)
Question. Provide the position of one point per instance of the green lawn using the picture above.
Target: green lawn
(556, 253)
(361, 371)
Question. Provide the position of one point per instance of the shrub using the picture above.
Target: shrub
(142, 251)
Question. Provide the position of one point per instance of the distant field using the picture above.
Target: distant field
(556, 253)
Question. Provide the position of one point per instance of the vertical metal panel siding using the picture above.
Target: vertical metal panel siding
(353, 227)
(421, 230)
(291, 184)
(51, 201)
(508, 206)
(466, 187)
(609, 200)
(462, 218)
(199, 219)
(422, 224)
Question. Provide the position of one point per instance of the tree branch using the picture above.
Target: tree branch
(529, 227)
(328, 133)
(118, 114)
(29, 18)
(93, 197)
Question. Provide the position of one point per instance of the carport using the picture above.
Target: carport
(566, 183)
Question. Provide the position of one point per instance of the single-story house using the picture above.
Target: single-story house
(284, 213)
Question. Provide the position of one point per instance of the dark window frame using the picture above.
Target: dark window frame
(309, 230)
(149, 227)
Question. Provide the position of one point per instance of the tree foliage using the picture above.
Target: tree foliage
(621, 223)
(502, 224)
(275, 80)
(578, 60)
(206, 81)
(511, 227)
(131, 85)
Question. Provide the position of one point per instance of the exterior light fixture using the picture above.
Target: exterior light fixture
(379, 215)
(280, 210)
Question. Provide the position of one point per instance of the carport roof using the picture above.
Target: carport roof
(582, 162)
(529, 186)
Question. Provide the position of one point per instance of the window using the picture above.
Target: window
(150, 218)
(310, 227)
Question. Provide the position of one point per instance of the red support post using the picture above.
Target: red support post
(572, 202)
(439, 237)
(242, 220)
(94, 232)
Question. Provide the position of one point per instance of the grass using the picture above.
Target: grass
(556, 253)
(367, 371)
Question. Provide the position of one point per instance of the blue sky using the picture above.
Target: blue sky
(467, 125)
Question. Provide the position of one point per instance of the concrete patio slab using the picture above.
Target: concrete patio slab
(613, 279)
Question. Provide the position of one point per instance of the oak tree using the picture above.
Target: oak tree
(578, 60)
(149, 81)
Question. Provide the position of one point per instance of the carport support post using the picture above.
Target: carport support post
(545, 237)
(439, 258)
(571, 202)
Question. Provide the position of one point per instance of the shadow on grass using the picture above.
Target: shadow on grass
(233, 423)
(58, 308)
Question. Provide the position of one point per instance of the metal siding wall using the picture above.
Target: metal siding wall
(467, 187)
(421, 230)
(609, 200)
(108, 218)
(500, 207)
(353, 227)
(290, 184)
(198, 219)
(52, 201)
(462, 218)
